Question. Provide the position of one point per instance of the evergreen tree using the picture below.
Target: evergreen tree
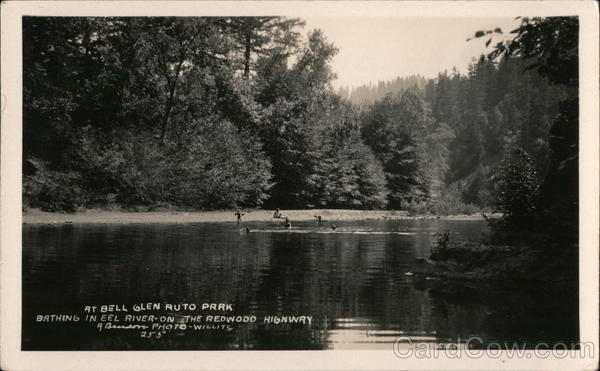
(394, 128)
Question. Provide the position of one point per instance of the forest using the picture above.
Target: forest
(368, 94)
(224, 112)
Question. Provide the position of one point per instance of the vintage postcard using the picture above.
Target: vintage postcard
(299, 185)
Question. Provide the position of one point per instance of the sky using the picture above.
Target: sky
(373, 49)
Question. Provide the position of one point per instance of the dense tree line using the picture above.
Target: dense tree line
(240, 112)
(442, 145)
(190, 112)
(550, 47)
(460, 139)
(368, 94)
(493, 109)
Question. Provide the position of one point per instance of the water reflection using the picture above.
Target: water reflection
(352, 281)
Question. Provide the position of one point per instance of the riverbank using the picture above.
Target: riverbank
(481, 263)
(36, 216)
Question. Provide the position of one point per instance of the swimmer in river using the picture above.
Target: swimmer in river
(333, 227)
(318, 218)
(287, 224)
(245, 230)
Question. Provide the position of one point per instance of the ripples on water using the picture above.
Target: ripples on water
(354, 281)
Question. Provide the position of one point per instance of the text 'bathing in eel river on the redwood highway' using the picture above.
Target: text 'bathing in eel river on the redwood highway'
(155, 319)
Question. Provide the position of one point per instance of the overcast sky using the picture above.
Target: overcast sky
(373, 49)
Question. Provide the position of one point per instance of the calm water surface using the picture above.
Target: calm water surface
(355, 282)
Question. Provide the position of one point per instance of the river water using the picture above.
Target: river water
(355, 283)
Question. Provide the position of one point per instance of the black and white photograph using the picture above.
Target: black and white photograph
(279, 180)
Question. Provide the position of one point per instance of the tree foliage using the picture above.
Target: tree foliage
(188, 112)
(549, 46)
(395, 129)
(221, 112)
(516, 188)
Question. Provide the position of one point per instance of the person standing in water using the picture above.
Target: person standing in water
(287, 224)
(239, 217)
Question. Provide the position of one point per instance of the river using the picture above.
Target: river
(356, 284)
